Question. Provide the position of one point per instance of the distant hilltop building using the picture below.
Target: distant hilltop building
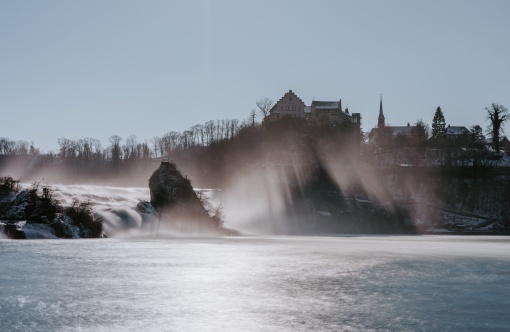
(384, 134)
(290, 105)
(453, 132)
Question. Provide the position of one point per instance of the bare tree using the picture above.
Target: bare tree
(218, 130)
(156, 143)
(251, 119)
(129, 147)
(498, 115)
(33, 150)
(423, 129)
(115, 149)
(264, 106)
(223, 128)
(196, 134)
(96, 145)
(201, 134)
(169, 143)
(186, 139)
(65, 145)
(422, 132)
(477, 136)
(234, 127)
(227, 128)
(146, 150)
(6, 146)
(21, 148)
(209, 131)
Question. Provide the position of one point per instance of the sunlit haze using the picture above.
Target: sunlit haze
(94, 69)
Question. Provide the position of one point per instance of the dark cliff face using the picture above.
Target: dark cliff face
(174, 198)
(169, 188)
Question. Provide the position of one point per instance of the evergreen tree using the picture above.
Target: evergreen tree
(438, 124)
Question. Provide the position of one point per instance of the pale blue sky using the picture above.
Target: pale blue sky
(96, 68)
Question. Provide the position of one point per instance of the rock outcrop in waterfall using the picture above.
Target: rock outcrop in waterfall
(177, 203)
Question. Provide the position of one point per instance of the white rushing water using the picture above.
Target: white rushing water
(117, 206)
(384, 283)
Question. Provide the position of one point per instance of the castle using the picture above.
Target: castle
(290, 105)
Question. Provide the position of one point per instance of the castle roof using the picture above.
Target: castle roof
(402, 130)
(394, 131)
(456, 130)
(323, 105)
(284, 96)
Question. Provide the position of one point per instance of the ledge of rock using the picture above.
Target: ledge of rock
(172, 195)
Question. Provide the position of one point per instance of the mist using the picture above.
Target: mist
(289, 176)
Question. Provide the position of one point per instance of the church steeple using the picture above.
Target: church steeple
(380, 122)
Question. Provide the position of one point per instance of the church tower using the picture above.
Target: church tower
(380, 120)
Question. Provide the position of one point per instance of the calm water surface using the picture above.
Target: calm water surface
(256, 284)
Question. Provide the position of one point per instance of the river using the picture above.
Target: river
(256, 284)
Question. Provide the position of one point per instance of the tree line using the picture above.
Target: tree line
(17, 148)
(130, 148)
(496, 114)
(88, 155)
(436, 135)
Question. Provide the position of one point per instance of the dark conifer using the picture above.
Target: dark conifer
(438, 125)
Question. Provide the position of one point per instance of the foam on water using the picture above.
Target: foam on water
(117, 205)
(38, 231)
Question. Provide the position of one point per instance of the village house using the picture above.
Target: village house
(454, 132)
(504, 144)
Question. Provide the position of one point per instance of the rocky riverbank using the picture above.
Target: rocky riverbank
(35, 213)
(41, 212)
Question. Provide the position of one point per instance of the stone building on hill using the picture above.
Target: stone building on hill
(329, 111)
(290, 105)
(324, 113)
